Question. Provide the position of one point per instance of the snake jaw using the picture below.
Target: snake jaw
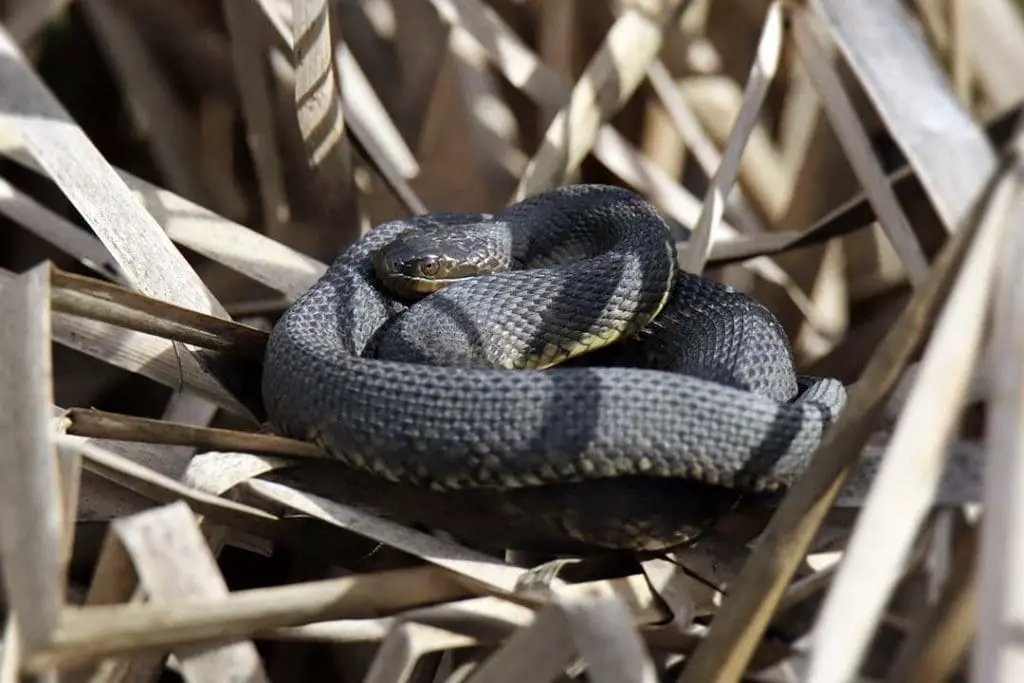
(416, 287)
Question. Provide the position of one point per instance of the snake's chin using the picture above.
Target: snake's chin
(415, 288)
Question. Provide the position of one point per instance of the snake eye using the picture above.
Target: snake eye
(429, 267)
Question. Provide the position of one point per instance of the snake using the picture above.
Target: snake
(543, 376)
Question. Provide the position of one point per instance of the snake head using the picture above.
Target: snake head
(423, 261)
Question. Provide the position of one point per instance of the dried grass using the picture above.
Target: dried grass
(856, 166)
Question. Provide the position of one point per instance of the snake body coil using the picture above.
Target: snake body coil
(445, 413)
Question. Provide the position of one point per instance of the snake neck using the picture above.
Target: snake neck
(579, 222)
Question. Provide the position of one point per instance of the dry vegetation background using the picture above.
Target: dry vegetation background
(170, 167)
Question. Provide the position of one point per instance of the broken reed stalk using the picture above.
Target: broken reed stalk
(98, 300)
(99, 424)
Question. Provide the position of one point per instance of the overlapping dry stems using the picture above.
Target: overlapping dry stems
(835, 144)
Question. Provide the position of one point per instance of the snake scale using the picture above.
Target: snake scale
(567, 386)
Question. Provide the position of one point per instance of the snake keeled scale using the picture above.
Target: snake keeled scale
(448, 411)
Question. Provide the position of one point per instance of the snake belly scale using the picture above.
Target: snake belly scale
(588, 362)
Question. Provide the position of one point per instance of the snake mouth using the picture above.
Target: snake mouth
(415, 287)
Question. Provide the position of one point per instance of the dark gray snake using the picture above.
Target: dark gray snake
(446, 412)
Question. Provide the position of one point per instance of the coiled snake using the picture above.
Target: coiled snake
(668, 392)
